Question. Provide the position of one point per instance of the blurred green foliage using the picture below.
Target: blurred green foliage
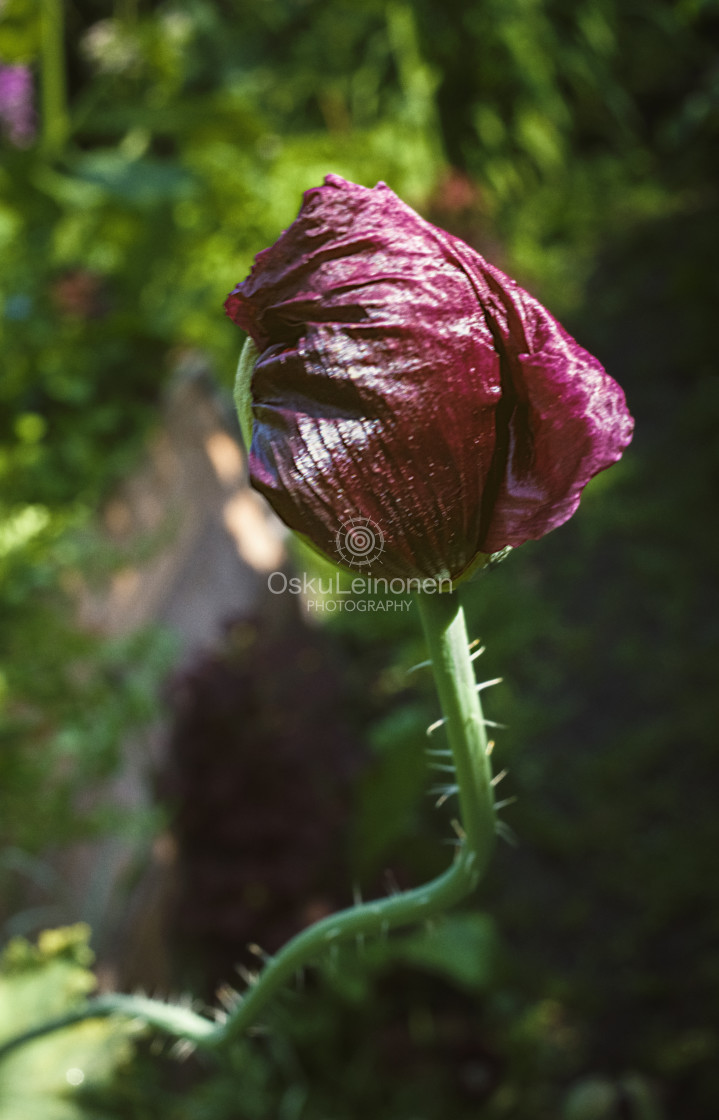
(575, 144)
(47, 1078)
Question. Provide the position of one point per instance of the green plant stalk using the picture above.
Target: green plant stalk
(446, 635)
(445, 631)
(55, 117)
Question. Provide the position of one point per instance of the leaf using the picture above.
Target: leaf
(462, 948)
(38, 1081)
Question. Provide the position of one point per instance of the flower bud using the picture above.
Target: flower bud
(398, 381)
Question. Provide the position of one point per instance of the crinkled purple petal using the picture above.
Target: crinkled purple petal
(404, 379)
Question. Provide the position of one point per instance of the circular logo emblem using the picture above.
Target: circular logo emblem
(359, 542)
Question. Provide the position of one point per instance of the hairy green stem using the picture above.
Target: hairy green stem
(446, 635)
(445, 631)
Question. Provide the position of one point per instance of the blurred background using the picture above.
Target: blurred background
(188, 764)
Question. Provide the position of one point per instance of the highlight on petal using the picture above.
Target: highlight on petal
(403, 381)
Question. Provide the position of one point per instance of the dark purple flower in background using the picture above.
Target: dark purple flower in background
(17, 112)
(401, 378)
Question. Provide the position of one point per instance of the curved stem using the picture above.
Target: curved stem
(445, 631)
(172, 1019)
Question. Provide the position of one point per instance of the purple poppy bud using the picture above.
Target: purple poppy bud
(405, 387)
(17, 114)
